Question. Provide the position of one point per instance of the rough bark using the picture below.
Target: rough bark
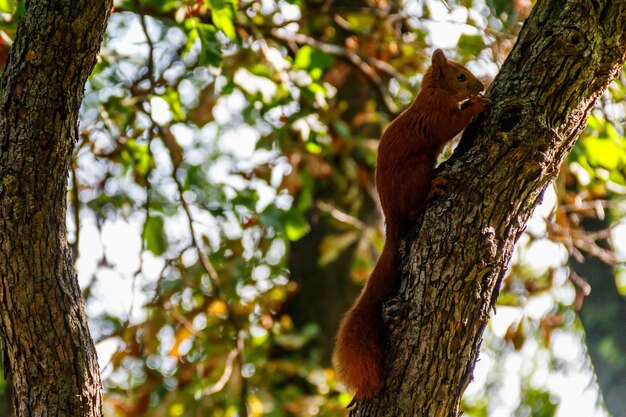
(47, 349)
(566, 55)
(603, 314)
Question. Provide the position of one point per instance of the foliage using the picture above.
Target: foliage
(211, 130)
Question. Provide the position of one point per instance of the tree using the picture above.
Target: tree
(190, 250)
(565, 57)
(48, 353)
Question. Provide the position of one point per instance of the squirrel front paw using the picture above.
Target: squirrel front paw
(477, 103)
(481, 103)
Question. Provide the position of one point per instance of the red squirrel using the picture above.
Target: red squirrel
(448, 99)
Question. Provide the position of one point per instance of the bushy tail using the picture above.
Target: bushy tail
(358, 355)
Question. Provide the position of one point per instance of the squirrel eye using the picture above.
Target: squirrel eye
(461, 77)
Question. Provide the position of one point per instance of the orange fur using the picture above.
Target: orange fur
(407, 155)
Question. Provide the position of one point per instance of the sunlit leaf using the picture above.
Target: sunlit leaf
(296, 225)
(182, 334)
(539, 403)
(334, 245)
(313, 60)
(470, 45)
(8, 6)
(211, 53)
(603, 152)
(218, 307)
(342, 128)
(223, 13)
(295, 341)
(154, 235)
(172, 98)
(291, 222)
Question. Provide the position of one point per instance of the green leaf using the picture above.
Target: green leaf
(104, 202)
(138, 157)
(8, 6)
(595, 123)
(362, 23)
(470, 45)
(612, 133)
(248, 198)
(291, 222)
(313, 60)
(223, 13)
(342, 128)
(603, 152)
(620, 281)
(501, 6)
(211, 54)
(539, 402)
(296, 225)
(172, 98)
(154, 235)
(296, 341)
(313, 147)
(618, 91)
(334, 245)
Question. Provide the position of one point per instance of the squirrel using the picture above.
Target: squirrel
(448, 99)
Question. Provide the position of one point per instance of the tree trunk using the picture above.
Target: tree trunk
(48, 352)
(565, 57)
(603, 314)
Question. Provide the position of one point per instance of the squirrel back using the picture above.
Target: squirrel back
(407, 153)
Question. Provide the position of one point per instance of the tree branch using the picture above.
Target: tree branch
(352, 57)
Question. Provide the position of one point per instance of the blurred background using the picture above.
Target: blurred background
(223, 217)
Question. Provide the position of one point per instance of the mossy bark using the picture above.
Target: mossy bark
(47, 349)
(566, 55)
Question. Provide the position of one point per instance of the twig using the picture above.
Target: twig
(145, 223)
(228, 371)
(144, 26)
(579, 282)
(351, 56)
(167, 264)
(179, 317)
(587, 205)
(217, 293)
(151, 76)
(388, 68)
(579, 240)
(340, 215)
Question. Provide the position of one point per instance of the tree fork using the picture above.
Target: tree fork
(565, 57)
(47, 348)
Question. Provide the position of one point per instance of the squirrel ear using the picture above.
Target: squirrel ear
(439, 59)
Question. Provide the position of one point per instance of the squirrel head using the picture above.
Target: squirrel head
(451, 76)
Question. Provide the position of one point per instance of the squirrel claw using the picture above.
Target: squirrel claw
(437, 188)
(352, 407)
(352, 403)
(484, 102)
